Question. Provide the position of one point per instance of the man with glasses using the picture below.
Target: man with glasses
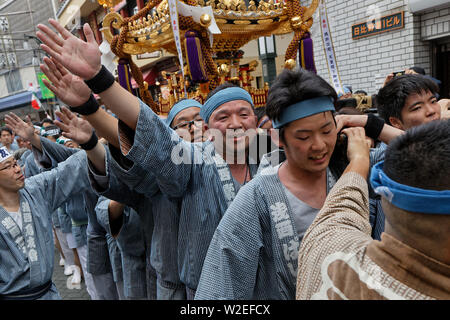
(26, 237)
(185, 119)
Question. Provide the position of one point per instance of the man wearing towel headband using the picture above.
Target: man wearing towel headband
(27, 250)
(184, 118)
(274, 210)
(339, 260)
(204, 176)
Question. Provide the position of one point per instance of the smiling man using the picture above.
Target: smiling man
(408, 101)
(253, 253)
(205, 188)
(184, 117)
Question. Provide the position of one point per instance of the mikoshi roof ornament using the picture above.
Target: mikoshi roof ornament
(150, 30)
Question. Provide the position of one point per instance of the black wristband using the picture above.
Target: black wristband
(102, 81)
(91, 143)
(89, 107)
(374, 126)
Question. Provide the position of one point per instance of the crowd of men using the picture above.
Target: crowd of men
(224, 201)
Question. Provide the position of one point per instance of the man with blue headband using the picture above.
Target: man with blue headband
(277, 207)
(339, 260)
(184, 118)
(27, 249)
(204, 176)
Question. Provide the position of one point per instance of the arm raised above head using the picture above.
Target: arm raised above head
(83, 59)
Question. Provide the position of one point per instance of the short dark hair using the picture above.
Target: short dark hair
(6, 129)
(392, 97)
(361, 92)
(260, 112)
(421, 157)
(292, 86)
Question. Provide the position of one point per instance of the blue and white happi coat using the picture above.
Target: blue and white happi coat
(191, 172)
(27, 256)
(260, 262)
(131, 250)
(78, 213)
(158, 217)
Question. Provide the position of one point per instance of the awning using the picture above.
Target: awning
(149, 76)
(16, 100)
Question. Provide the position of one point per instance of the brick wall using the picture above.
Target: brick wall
(364, 63)
(435, 24)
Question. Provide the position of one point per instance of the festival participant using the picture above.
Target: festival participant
(404, 102)
(131, 244)
(253, 254)
(338, 259)
(27, 253)
(162, 229)
(78, 208)
(206, 188)
(184, 117)
(7, 138)
(409, 100)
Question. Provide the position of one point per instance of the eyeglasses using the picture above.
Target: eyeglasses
(188, 124)
(12, 165)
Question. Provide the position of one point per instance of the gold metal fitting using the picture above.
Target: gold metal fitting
(224, 69)
(205, 20)
(290, 64)
(296, 22)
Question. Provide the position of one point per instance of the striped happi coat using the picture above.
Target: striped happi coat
(260, 262)
(92, 234)
(158, 218)
(196, 182)
(23, 268)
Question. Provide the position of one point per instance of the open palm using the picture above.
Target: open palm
(23, 129)
(73, 127)
(69, 88)
(79, 57)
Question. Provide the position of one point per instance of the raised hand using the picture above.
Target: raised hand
(73, 127)
(79, 57)
(69, 88)
(23, 129)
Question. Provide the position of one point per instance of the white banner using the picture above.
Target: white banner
(196, 13)
(176, 35)
(329, 49)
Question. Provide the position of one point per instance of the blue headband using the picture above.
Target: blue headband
(304, 109)
(409, 198)
(221, 97)
(180, 106)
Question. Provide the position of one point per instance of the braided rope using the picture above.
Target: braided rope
(187, 23)
(295, 9)
(117, 48)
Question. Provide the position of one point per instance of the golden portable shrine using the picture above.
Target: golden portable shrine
(211, 58)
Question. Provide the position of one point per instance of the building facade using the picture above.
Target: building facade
(364, 62)
(20, 56)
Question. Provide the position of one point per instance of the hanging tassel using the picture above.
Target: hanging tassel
(194, 57)
(124, 75)
(307, 53)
